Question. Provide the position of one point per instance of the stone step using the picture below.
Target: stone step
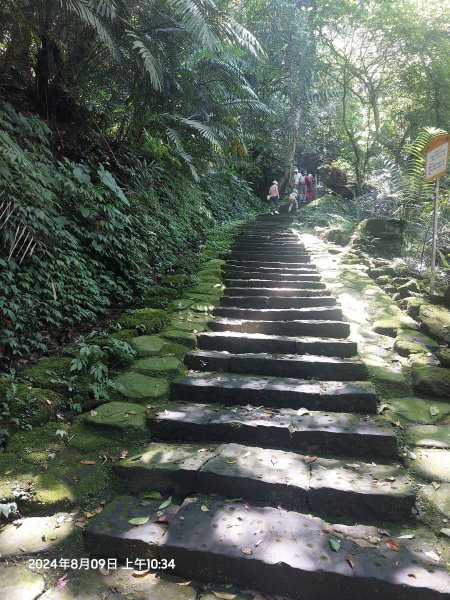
(283, 365)
(283, 264)
(328, 313)
(310, 328)
(277, 301)
(321, 433)
(283, 257)
(274, 477)
(278, 392)
(240, 343)
(275, 292)
(280, 277)
(290, 553)
(236, 268)
(270, 284)
(277, 246)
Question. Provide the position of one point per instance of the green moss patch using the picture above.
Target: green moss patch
(136, 386)
(148, 345)
(122, 416)
(180, 305)
(430, 464)
(192, 326)
(391, 324)
(431, 380)
(149, 320)
(168, 366)
(415, 410)
(180, 337)
(429, 436)
(55, 374)
(436, 321)
(438, 498)
(413, 342)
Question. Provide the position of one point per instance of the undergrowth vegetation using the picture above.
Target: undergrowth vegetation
(84, 238)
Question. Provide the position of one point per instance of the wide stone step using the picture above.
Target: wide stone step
(328, 313)
(269, 256)
(310, 328)
(282, 276)
(240, 343)
(289, 552)
(236, 268)
(283, 264)
(270, 284)
(276, 301)
(268, 247)
(278, 392)
(270, 476)
(321, 433)
(275, 292)
(283, 365)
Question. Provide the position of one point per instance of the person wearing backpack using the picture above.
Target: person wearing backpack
(302, 187)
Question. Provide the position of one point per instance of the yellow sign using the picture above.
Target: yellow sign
(436, 152)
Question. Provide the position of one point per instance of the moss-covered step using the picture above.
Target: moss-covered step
(180, 337)
(410, 410)
(409, 341)
(36, 535)
(438, 495)
(90, 584)
(110, 533)
(147, 345)
(136, 386)
(167, 366)
(181, 304)
(122, 416)
(149, 320)
(430, 379)
(430, 464)
(436, 321)
(191, 326)
(390, 322)
(20, 583)
(429, 436)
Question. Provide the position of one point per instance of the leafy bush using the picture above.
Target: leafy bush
(97, 244)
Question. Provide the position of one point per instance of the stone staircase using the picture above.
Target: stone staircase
(271, 450)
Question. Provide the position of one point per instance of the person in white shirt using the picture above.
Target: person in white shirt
(293, 204)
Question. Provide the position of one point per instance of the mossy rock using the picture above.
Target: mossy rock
(443, 356)
(148, 345)
(409, 288)
(388, 382)
(192, 316)
(436, 321)
(180, 337)
(151, 320)
(429, 436)
(155, 301)
(207, 289)
(174, 349)
(121, 416)
(430, 464)
(136, 386)
(409, 342)
(438, 498)
(431, 380)
(51, 493)
(391, 324)
(192, 326)
(19, 583)
(167, 366)
(203, 307)
(181, 304)
(411, 410)
(413, 306)
(383, 279)
(55, 374)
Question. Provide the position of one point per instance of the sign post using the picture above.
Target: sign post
(436, 161)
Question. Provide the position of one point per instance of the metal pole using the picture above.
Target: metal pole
(435, 224)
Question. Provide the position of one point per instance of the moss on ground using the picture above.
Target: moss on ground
(179, 337)
(430, 379)
(55, 374)
(436, 321)
(145, 320)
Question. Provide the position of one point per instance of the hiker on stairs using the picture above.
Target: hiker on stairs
(274, 198)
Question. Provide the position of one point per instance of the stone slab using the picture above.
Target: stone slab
(119, 416)
(33, 535)
(431, 464)
(429, 436)
(283, 365)
(111, 534)
(167, 366)
(294, 551)
(310, 284)
(341, 433)
(17, 582)
(147, 345)
(136, 386)
(231, 388)
(276, 302)
(275, 292)
(121, 585)
(439, 498)
(298, 327)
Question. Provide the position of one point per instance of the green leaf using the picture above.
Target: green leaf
(138, 520)
(166, 503)
(335, 544)
(155, 495)
(436, 485)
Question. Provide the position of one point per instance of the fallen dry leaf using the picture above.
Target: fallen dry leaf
(310, 459)
(246, 505)
(140, 573)
(184, 583)
(256, 544)
(62, 581)
(88, 462)
(350, 562)
(246, 550)
(93, 413)
(392, 544)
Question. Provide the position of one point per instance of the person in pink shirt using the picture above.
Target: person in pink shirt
(274, 198)
(309, 180)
